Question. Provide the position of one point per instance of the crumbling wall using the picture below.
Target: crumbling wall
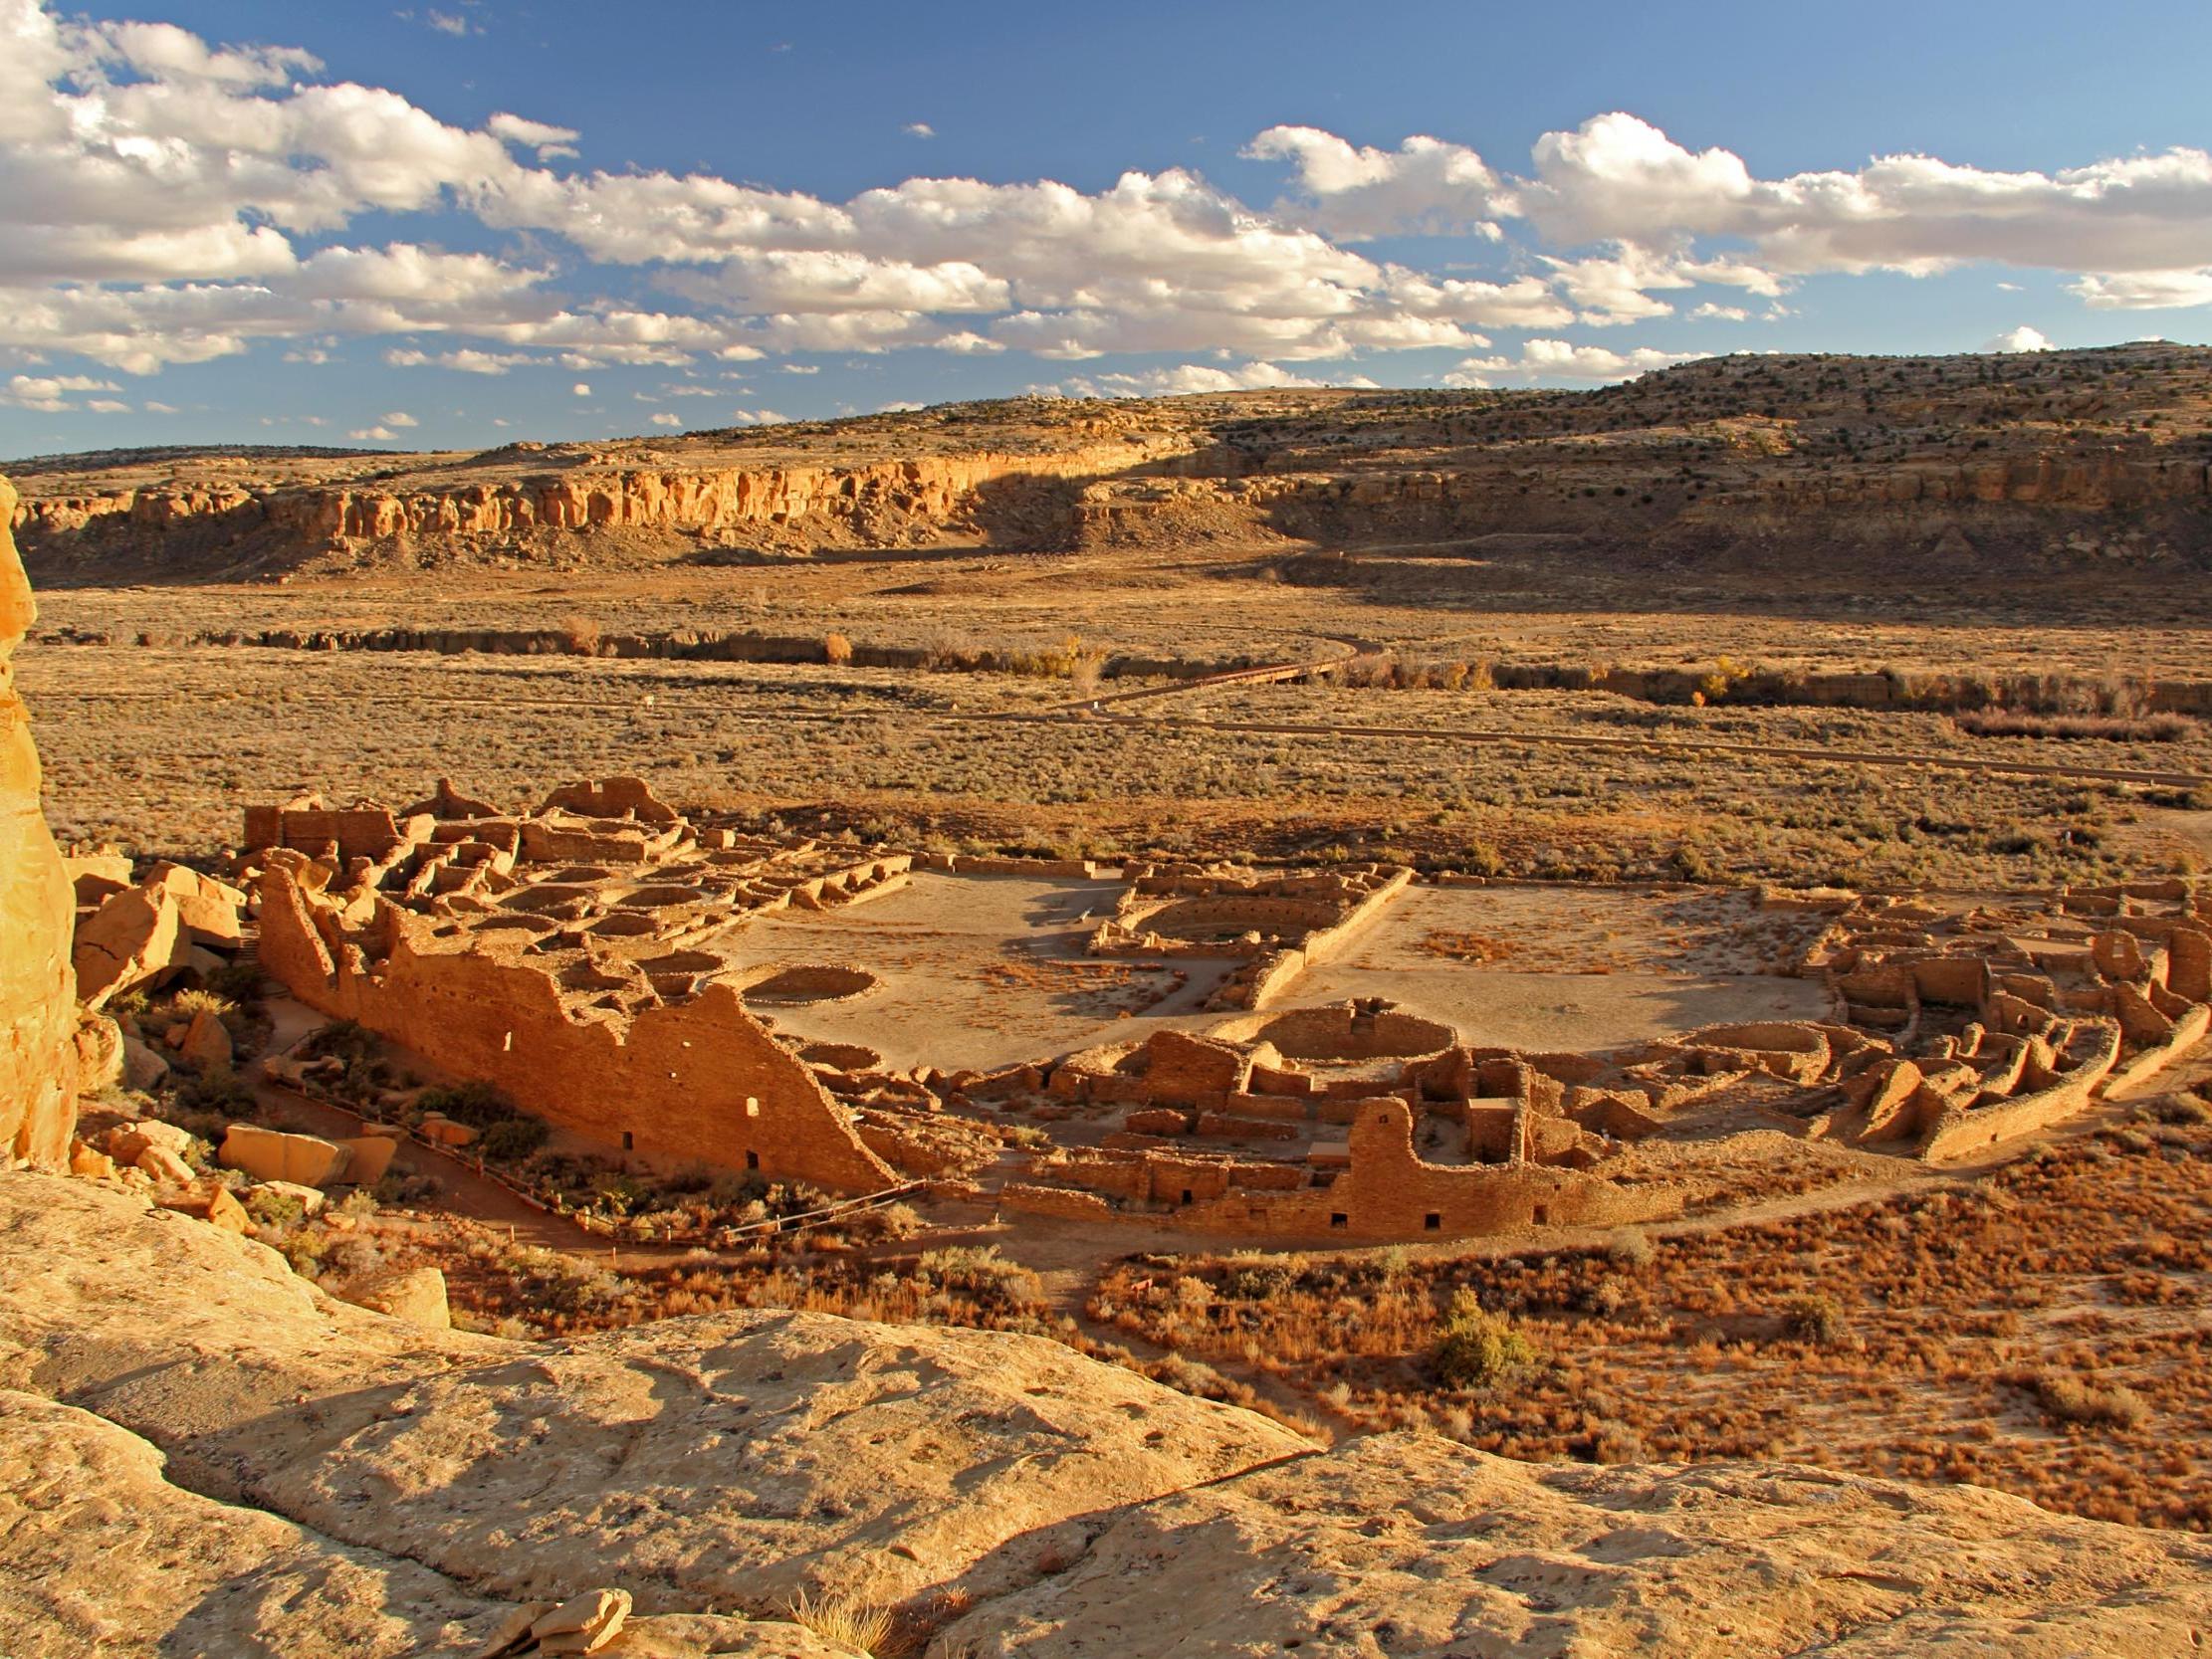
(698, 1079)
(38, 991)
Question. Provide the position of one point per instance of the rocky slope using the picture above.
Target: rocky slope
(338, 1482)
(2099, 455)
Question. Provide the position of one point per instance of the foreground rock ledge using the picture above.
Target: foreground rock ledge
(735, 1459)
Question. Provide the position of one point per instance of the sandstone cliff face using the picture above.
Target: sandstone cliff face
(405, 1483)
(38, 1000)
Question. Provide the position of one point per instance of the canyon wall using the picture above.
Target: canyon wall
(1021, 499)
(38, 992)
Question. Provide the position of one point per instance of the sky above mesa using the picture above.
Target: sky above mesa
(459, 224)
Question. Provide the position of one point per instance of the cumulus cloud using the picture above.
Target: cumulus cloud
(466, 359)
(2022, 338)
(398, 417)
(1423, 186)
(50, 394)
(1188, 379)
(919, 130)
(1555, 359)
(666, 419)
(757, 417)
(169, 202)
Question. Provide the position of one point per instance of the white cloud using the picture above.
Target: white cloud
(1553, 360)
(375, 434)
(108, 406)
(919, 130)
(547, 140)
(666, 419)
(447, 23)
(50, 394)
(2144, 291)
(1425, 186)
(1190, 378)
(153, 408)
(168, 201)
(904, 406)
(399, 417)
(466, 359)
(581, 389)
(755, 417)
(2022, 338)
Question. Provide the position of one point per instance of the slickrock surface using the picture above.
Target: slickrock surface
(737, 1457)
(729, 1460)
(1413, 1545)
(38, 1009)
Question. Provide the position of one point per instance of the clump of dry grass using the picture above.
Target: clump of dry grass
(847, 1621)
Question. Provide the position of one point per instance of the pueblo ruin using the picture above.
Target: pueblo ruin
(601, 961)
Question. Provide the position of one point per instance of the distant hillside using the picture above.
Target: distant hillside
(2059, 457)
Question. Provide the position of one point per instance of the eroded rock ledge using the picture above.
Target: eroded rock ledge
(1032, 1502)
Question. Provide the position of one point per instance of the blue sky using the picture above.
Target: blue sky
(452, 225)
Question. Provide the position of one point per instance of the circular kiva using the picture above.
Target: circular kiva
(790, 984)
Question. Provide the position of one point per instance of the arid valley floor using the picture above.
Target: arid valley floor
(1390, 1023)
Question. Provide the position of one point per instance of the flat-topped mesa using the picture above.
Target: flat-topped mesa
(562, 957)
(37, 989)
(865, 503)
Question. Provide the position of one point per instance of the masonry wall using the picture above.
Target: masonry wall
(700, 1079)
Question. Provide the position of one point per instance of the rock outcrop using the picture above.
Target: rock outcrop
(1055, 1505)
(38, 991)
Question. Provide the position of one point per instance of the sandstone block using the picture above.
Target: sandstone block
(91, 1165)
(126, 1141)
(416, 1295)
(141, 1066)
(209, 1200)
(97, 877)
(166, 1169)
(206, 1045)
(271, 1155)
(208, 910)
(445, 1132)
(132, 939)
(370, 1156)
(583, 1623)
(99, 1060)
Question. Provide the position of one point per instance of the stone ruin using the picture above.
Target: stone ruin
(557, 955)
(571, 957)
(1277, 925)
(1954, 1032)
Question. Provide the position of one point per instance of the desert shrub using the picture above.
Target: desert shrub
(215, 1094)
(272, 1208)
(1813, 1319)
(1630, 1247)
(2073, 1399)
(399, 1190)
(984, 1276)
(514, 1140)
(238, 982)
(344, 1040)
(1476, 1349)
(2180, 1111)
(837, 648)
(475, 1102)
(195, 999)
